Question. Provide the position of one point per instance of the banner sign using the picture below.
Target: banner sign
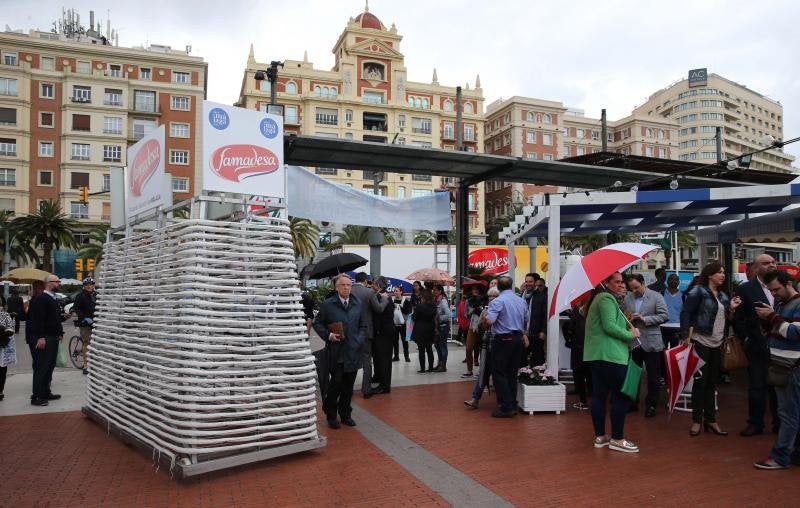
(145, 174)
(698, 77)
(492, 260)
(242, 151)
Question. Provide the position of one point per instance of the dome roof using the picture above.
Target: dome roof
(368, 20)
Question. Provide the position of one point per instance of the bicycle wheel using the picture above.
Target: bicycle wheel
(76, 351)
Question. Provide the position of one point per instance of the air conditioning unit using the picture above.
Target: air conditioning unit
(349, 124)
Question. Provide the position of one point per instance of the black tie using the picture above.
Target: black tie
(346, 305)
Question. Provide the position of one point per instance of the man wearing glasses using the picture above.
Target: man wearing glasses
(46, 331)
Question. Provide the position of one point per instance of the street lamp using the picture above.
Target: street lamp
(271, 75)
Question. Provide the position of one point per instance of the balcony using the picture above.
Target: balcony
(81, 99)
(375, 122)
(373, 99)
(421, 130)
(325, 119)
(143, 109)
(112, 102)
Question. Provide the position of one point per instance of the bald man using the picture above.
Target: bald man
(753, 293)
(46, 332)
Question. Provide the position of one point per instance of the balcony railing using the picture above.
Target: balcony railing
(80, 98)
(421, 130)
(327, 119)
(112, 102)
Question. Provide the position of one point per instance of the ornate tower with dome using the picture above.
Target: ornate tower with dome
(366, 96)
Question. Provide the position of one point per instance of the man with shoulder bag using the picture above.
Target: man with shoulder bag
(783, 325)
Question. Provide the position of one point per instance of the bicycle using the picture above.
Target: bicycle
(76, 350)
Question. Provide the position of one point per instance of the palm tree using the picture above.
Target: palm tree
(21, 252)
(425, 238)
(358, 235)
(48, 228)
(94, 248)
(305, 235)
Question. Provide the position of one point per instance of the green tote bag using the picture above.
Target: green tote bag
(630, 387)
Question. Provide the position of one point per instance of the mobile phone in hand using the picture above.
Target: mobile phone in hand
(760, 304)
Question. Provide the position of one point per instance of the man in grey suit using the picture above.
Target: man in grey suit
(647, 310)
(370, 304)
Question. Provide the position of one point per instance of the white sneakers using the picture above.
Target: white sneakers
(620, 445)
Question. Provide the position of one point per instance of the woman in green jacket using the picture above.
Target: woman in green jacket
(608, 335)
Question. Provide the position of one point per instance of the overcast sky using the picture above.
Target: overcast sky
(587, 54)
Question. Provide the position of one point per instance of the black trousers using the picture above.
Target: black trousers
(3, 372)
(608, 377)
(45, 363)
(758, 390)
(424, 349)
(506, 355)
(340, 393)
(536, 349)
(400, 339)
(382, 358)
(582, 377)
(652, 364)
(705, 384)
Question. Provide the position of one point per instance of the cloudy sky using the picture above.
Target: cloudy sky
(587, 54)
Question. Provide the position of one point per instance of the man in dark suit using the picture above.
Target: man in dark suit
(537, 324)
(342, 353)
(748, 326)
(370, 305)
(46, 333)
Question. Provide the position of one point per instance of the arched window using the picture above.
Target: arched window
(468, 108)
(334, 92)
(411, 101)
(425, 104)
(417, 102)
(318, 90)
(649, 133)
(546, 119)
(531, 116)
(291, 87)
(326, 92)
(448, 105)
(264, 85)
(660, 134)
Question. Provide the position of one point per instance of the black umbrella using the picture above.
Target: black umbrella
(306, 270)
(336, 264)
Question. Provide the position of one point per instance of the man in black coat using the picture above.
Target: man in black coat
(84, 309)
(537, 324)
(748, 326)
(343, 354)
(46, 333)
(16, 307)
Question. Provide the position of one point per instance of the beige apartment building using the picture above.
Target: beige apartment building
(367, 96)
(703, 102)
(70, 105)
(539, 129)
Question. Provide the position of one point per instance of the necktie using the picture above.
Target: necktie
(346, 305)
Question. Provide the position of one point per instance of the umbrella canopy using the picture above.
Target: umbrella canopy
(472, 282)
(25, 275)
(682, 363)
(336, 264)
(432, 275)
(306, 270)
(593, 269)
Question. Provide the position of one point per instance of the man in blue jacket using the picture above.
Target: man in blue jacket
(343, 352)
(783, 324)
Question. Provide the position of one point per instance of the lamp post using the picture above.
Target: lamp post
(271, 74)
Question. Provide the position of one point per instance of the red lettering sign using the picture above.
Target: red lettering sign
(492, 260)
(237, 162)
(144, 165)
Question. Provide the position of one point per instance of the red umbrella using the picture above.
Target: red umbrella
(472, 282)
(593, 269)
(682, 362)
(432, 275)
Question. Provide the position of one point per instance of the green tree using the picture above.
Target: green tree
(358, 235)
(305, 235)
(48, 228)
(21, 251)
(93, 249)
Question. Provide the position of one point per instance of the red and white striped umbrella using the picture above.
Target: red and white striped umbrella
(593, 269)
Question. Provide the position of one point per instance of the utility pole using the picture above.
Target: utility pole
(375, 236)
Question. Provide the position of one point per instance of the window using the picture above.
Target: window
(8, 86)
(8, 147)
(46, 178)
(710, 116)
(425, 104)
(648, 151)
(595, 135)
(326, 171)
(79, 180)
(112, 125)
(291, 87)
(81, 123)
(422, 144)
(531, 117)
(546, 118)
(662, 153)
(106, 183)
(45, 148)
(708, 155)
(372, 97)
(112, 97)
(401, 141)
(547, 139)
(84, 67)
(648, 132)
(531, 156)
(142, 127)
(290, 114)
(115, 71)
(567, 151)
(47, 90)
(448, 130)
(145, 73)
(468, 109)
(421, 125)
(506, 138)
(348, 136)
(327, 116)
(81, 94)
(144, 101)
(181, 103)
(9, 58)
(579, 133)
(80, 152)
(179, 130)
(401, 192)
(45, 119)
(661, 134)
(265, 86)
(180, 185)
(548, 156)
(401, 121)
(469, 132)
(78, 210)
(581, 151)
(179, 157)
(47, 63)
(8, 177)
(507, 117)
(418, 193)
(7, 204)
(448, 105)
(530, 137)
(181, 77)
(112, 153)
(471, 203)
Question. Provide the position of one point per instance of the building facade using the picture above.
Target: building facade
(368, 97)
(71, 106)
(539, 129)
(700, 106)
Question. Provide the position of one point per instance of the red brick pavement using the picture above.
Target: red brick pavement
(64, 459)
(546, 459)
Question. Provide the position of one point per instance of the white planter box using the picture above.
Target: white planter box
(541, 398)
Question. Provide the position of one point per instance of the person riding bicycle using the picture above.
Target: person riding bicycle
(84, 309)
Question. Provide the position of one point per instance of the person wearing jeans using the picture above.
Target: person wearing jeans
(442, 326)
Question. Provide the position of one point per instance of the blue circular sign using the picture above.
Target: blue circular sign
(269, 128)
(219, 119)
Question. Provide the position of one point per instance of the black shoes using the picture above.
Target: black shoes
(396, 359)
(349, 422)
(333, 423)
(651, 412)
(714, 429)
(751, 430)
(53, 396)
(39, 402)
(498, 413)
(368, 395)
(423, 371)
(408, 359)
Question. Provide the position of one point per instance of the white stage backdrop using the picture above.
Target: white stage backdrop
(315, 198)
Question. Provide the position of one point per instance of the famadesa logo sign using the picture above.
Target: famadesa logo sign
(144, 165)
(237, 162)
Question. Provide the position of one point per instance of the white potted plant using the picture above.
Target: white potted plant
(538, 390)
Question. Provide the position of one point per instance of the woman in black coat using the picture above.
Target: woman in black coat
(575, 335)
(424, 328)
(385, 338)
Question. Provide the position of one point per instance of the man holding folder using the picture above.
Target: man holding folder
(340, 325)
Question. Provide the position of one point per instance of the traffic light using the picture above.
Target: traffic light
(84, 193)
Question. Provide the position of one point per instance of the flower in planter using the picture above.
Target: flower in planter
(537, 376)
